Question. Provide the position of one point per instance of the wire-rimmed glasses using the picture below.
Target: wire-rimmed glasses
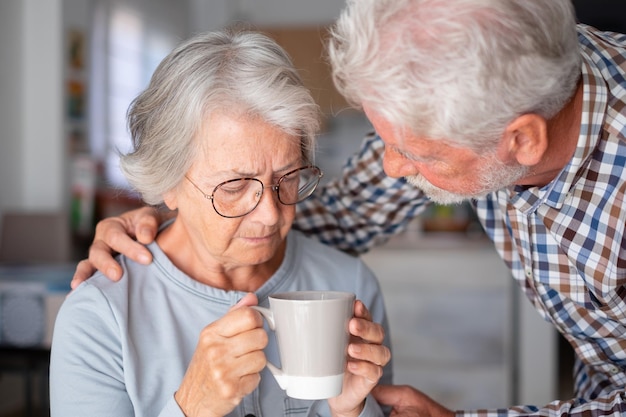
(240, 196)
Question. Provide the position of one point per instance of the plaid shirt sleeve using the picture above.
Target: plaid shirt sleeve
(364, 207)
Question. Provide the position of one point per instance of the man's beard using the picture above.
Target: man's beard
(492, 176)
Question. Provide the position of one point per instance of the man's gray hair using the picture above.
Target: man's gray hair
(225, 71)
(457, 70)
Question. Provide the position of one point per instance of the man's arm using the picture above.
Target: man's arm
(364, 207)
(410, 402)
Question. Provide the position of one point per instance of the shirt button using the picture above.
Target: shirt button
(613, 369)
(529, 273)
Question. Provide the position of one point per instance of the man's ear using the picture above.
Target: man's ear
(526, 139)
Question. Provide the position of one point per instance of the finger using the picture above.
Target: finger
(248, 383)
(385, 394)
(249, 299)
(378, 355)
(83, 271)
(101, 258)
(362, 326)
(237, 321)
(396, 395)
(367, 370)
(234, 358)
(361, 311)
(145, 222)
(247, 342)
(251, 363)
(367, 330)
(118, 237)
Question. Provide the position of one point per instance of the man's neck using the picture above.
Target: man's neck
(563, 131)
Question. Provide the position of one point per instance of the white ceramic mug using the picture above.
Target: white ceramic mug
(312, 334)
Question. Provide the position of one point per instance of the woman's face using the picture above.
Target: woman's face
(234, 147)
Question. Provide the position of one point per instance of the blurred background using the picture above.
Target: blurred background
(68, 72)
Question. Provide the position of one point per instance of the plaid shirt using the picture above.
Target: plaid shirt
(564, 243)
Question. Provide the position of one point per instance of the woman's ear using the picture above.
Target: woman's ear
(527, 139)
(170, 200)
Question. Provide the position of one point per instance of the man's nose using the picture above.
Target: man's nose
(397, 166)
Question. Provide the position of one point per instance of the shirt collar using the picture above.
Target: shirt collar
(594, 105)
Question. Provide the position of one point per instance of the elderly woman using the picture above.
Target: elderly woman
(224, 135)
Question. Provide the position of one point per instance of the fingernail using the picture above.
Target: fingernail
(144, 259)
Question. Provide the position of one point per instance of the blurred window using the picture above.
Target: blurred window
(129, 39)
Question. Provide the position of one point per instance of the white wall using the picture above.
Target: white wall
(10, 102)
(10, 149)
(31, 148)
(289, 12)
(44, 151)
(210, 14)
(214, 14)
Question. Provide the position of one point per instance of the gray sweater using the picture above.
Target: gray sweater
(122, 348)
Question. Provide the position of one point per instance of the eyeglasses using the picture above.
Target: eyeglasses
(240, 196)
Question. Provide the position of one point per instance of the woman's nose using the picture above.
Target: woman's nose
(397, 166)
(268, 206)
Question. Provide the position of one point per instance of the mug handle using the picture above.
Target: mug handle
(278, 373)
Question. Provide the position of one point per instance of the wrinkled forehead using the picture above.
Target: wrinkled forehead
(232, 139)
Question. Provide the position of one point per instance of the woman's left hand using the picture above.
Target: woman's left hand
(366, 358)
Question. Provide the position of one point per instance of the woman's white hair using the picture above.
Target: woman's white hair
(456, 70)
(224, 71)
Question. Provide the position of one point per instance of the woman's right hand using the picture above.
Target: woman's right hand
(118, 234)
(227, 362)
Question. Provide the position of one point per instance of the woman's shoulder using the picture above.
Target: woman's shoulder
(99, 286)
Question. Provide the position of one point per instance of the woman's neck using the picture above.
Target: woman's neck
(205, 269)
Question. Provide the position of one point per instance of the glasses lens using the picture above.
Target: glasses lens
(298, 184)
(238, 197)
